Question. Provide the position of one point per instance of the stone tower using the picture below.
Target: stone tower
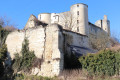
(80, 17)
(106, 25)
(45, 17)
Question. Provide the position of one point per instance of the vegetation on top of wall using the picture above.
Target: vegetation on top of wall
(6, 24)
(105, 62)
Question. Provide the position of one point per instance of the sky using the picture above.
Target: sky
(19, 11)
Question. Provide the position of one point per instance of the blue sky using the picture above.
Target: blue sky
(18, 11)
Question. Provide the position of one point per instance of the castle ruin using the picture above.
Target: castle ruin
(51, 35)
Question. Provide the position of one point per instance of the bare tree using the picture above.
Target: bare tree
(5, 28)
(115, 38)
(2, 21)
(6, 24)
(10, 28)
(67, 20)
(99, 41)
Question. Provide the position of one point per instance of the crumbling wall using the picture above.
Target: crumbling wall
(73, 39)
(31, 22)
(47, 44)
(53, 60)
(98, 38)
(36, 38)
(14, 42)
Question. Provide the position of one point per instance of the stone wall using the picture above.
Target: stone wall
(98, 38)
(46, 42)
(14, 42)
(31, 22)
(73, 39)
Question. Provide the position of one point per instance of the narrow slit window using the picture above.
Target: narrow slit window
(77, 29)
(65, 24)
(77, 12)
(58, 18)
(40, 17)
(77, 21)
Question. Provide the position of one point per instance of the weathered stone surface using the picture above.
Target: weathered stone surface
(48, 44)
(31, 22)
(14, 42)
(74, 40)
(36, 39)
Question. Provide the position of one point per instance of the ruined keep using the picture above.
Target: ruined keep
(51, 35)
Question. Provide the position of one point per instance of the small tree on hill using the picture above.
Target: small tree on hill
(67, 20)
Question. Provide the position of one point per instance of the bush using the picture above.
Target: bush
(3, 57)
(23, 62)
(3, 51)
(105, 62)
(3, 36)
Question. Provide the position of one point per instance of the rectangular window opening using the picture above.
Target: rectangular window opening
(77, 12)
(77, 29)
(40, 17)
(77, 21)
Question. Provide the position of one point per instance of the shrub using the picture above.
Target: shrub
(3, 57)
(105, 62)
(3, 35)
(24, 62)
(3, 51)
